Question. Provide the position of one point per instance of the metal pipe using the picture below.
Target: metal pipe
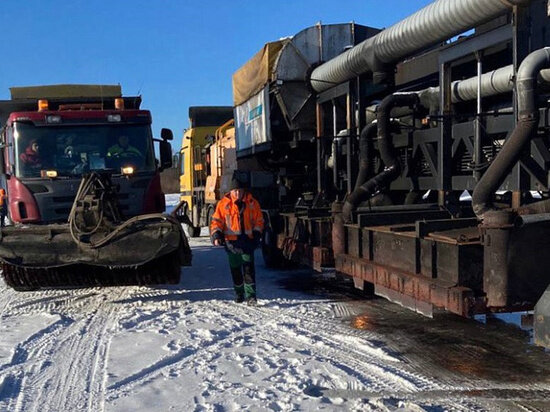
(319, 164)
(478, 150)
(348, 163)
(392, 167)
(496, 82)
(334, 147)
(434, 23)
(365, 139)
(348, 143)
(338, 229)
(502, 165)
(496, 231)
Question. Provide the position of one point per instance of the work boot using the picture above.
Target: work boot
(250, 293)
(239, 293)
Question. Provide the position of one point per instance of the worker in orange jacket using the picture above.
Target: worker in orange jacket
(237, 224)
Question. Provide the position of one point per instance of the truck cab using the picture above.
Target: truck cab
(52, 135)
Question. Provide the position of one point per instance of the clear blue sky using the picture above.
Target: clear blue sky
(176, 53)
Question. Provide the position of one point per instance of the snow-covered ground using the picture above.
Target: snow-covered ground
(190, 348)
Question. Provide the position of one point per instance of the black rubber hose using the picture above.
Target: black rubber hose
(392, 167)
(509, 155)
(365, 141)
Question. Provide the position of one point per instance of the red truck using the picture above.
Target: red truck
(83, 188)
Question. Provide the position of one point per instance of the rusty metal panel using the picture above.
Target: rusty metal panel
(353, 240)
(399, 217)
(411, 290)
(428, 262)
(470, 266)
(322, 257)
(424, 289)
(367, 244)
(396, 251)
(367, 272)
(461, 264)
(447, 262)
(408, 302)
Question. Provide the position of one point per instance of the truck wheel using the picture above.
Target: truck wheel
(193, 231)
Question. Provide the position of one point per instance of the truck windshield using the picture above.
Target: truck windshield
(73, 150)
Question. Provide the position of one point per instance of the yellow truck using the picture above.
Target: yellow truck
(195, 163)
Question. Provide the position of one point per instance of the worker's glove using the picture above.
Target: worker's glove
(219, 237)
(257, 237)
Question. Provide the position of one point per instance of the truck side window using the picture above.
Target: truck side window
(182, 163)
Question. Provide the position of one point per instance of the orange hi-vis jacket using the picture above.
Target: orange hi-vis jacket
(226, 218)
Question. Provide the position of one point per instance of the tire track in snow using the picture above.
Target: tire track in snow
(125, 386)
(6, 296)
(335, 337)
(424, 389)
(54, 302)
(28, 355)
(368, 369)
(81, 387)
(69, 371)
(346, 349)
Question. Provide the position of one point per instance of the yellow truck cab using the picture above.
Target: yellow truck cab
(195, 162)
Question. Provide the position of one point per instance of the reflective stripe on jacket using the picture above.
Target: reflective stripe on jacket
(226, 218)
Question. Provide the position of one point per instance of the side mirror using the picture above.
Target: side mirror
(165, 154)
(166, 134)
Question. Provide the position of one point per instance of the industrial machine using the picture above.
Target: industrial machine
(84, 191)
(415, 159)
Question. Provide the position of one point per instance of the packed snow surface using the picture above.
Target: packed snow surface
(189, 347)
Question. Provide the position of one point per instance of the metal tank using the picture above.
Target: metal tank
(298, 57)
(272, 95)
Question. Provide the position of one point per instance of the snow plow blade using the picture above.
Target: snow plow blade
(145, 250)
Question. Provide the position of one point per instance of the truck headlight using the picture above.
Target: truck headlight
(52, 174)
(127, 170)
